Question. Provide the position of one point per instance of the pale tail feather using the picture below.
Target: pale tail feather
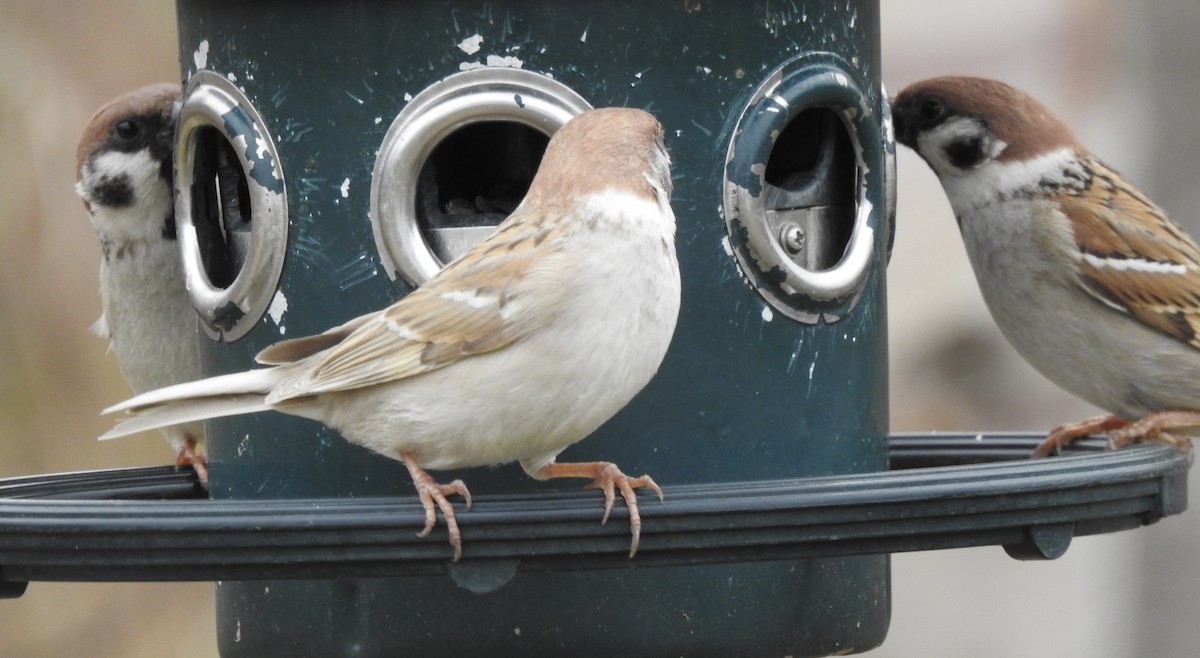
(259, 381)
(186, 411)
(225, 395)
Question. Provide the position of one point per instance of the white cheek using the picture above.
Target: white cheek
(141, 169)
(152, 199)
(993, 181)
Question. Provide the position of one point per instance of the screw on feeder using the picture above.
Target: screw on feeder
(792, 237)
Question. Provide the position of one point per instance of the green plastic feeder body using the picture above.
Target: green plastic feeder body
(319, 147)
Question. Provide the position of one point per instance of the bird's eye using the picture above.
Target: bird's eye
(932, 111)
(127, 129)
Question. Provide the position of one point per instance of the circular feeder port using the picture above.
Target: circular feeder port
(801, 204)
(230, 207)
(457, 160)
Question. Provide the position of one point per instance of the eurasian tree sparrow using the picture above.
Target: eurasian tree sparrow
(1086, 277)
(124, 169)
(515, 351)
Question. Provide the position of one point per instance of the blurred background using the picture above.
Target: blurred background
(1124, 75)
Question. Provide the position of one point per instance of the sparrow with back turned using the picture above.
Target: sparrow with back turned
(513, 352)
(124, 170)
(1086, 277)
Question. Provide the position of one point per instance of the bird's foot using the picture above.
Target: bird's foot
(1122, 432)
(1156, 427)
(432, 493)
(608, 478)
(1068, 432)
(188, 456)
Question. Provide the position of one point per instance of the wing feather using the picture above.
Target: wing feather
(1134, 258)
(295, 349)
(475, 305)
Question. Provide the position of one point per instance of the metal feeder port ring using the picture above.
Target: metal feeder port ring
(230, 206)
(457, 159)
(802, 202)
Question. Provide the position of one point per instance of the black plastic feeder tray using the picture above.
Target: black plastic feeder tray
(945, 491)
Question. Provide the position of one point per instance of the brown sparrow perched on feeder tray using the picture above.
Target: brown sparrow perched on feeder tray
(125, 181)
(513, 352)
(1086, 277)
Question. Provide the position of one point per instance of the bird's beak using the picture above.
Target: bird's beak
(906, 129)
(166, 140)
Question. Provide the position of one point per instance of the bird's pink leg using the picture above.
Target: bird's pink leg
(1068, 432)
(1123, 432)
(189, 457)
(433, 493)
(607, 477)
(1156, 426)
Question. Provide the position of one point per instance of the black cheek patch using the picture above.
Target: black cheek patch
(965, 153)
(113, 192)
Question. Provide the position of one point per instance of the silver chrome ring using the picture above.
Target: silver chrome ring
(211, 101)
(485, 94)
(806, 295)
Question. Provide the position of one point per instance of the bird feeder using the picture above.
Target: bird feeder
(332, 156)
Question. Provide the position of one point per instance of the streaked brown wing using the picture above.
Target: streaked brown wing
(294, 349)
(1135, 259)
(475, 305)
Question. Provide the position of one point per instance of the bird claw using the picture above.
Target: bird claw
(1121, 432)
(608, 479)
(433, 497)
(188, 456)
(1155, 427)
(1066, 433)
(1181, 443)
(432, 493)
